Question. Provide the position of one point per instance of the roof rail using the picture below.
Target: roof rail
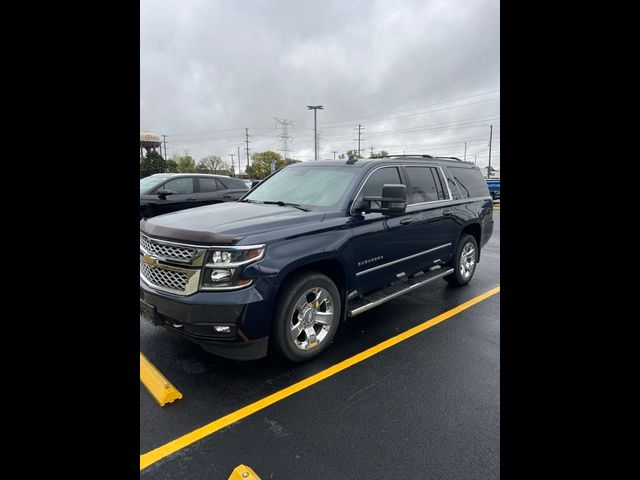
(453, 158)
(408, 155)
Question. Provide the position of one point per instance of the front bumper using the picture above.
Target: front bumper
(193, 317)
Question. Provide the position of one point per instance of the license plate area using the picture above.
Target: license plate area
(149, 313)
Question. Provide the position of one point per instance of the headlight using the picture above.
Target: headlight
(235, 256)
(224, 266)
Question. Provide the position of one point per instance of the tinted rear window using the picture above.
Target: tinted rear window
(470, 181)
(233, 183)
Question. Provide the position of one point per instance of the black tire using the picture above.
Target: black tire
(287, 315)
(459, 276)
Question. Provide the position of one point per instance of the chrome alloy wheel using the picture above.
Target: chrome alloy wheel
(311, 319)
(467, 261)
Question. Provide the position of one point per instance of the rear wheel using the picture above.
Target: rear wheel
(306, 316)
(464, 261)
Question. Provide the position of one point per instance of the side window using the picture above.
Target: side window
(179, 185)
(470, 181)
(425, 187)
(233, 183)
(207, 184)
(374, 184)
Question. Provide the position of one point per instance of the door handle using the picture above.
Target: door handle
(447, 211)
(226, 196)
(406, 221)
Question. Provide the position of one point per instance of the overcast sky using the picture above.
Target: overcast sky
(421, 76)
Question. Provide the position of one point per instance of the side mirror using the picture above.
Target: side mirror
(163, 193)
(392, 202)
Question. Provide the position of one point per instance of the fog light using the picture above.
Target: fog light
(221, 275)
(222, 329)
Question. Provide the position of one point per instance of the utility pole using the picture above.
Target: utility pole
(360, 128)
(284, 136)
(371, 148)
(465, 151)
(334, 154)
(164, 140)
(315, 109)
(490, 139)
(246, 140)
(232, 169)
(475, 162)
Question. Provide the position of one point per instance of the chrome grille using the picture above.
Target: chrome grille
(165, 250)
(164, 278)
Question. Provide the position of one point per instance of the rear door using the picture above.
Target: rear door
(432, 230)
(210, 190)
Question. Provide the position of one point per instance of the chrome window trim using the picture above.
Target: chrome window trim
(446, 181)
(402, 259)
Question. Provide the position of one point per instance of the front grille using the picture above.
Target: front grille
(164, 278)
(170, 252)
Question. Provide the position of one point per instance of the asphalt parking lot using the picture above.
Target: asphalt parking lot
(428, 407)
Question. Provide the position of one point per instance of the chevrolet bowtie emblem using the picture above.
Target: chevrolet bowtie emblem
(149, 260)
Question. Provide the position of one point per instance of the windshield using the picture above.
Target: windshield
(150, 182)
(319, 187)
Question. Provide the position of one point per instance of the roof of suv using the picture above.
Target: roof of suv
(361, 162)
(189, 175)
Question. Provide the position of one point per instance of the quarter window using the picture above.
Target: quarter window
(470, 181)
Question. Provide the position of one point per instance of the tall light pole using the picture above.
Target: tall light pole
(315, 109)
(490, 139)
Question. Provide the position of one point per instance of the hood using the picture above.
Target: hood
(225, 223)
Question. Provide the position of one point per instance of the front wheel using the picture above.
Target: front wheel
(464, 261)
(306, 316)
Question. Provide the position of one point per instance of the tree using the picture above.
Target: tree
(261, 163)
(352, 153)
(172, 166)
(381, 153)
(152, 163)
(290, 161)
(186, 164)
(213, 164)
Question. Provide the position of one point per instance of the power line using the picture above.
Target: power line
(284, 137)
(360, 128)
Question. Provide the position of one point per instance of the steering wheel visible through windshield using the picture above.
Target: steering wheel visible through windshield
(310, 187)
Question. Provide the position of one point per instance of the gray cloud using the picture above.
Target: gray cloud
(210, 68)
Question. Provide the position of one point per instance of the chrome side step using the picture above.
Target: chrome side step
(379, 297)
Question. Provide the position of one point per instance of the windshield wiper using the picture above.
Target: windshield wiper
(287, 204)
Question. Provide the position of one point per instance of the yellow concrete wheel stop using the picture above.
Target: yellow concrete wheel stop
(242, 472)
(158, 386)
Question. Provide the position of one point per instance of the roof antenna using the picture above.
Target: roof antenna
(352, 159)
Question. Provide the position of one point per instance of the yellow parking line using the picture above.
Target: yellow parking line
(156, 383)
(206, 430)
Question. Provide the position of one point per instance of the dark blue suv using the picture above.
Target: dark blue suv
(310, 246)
